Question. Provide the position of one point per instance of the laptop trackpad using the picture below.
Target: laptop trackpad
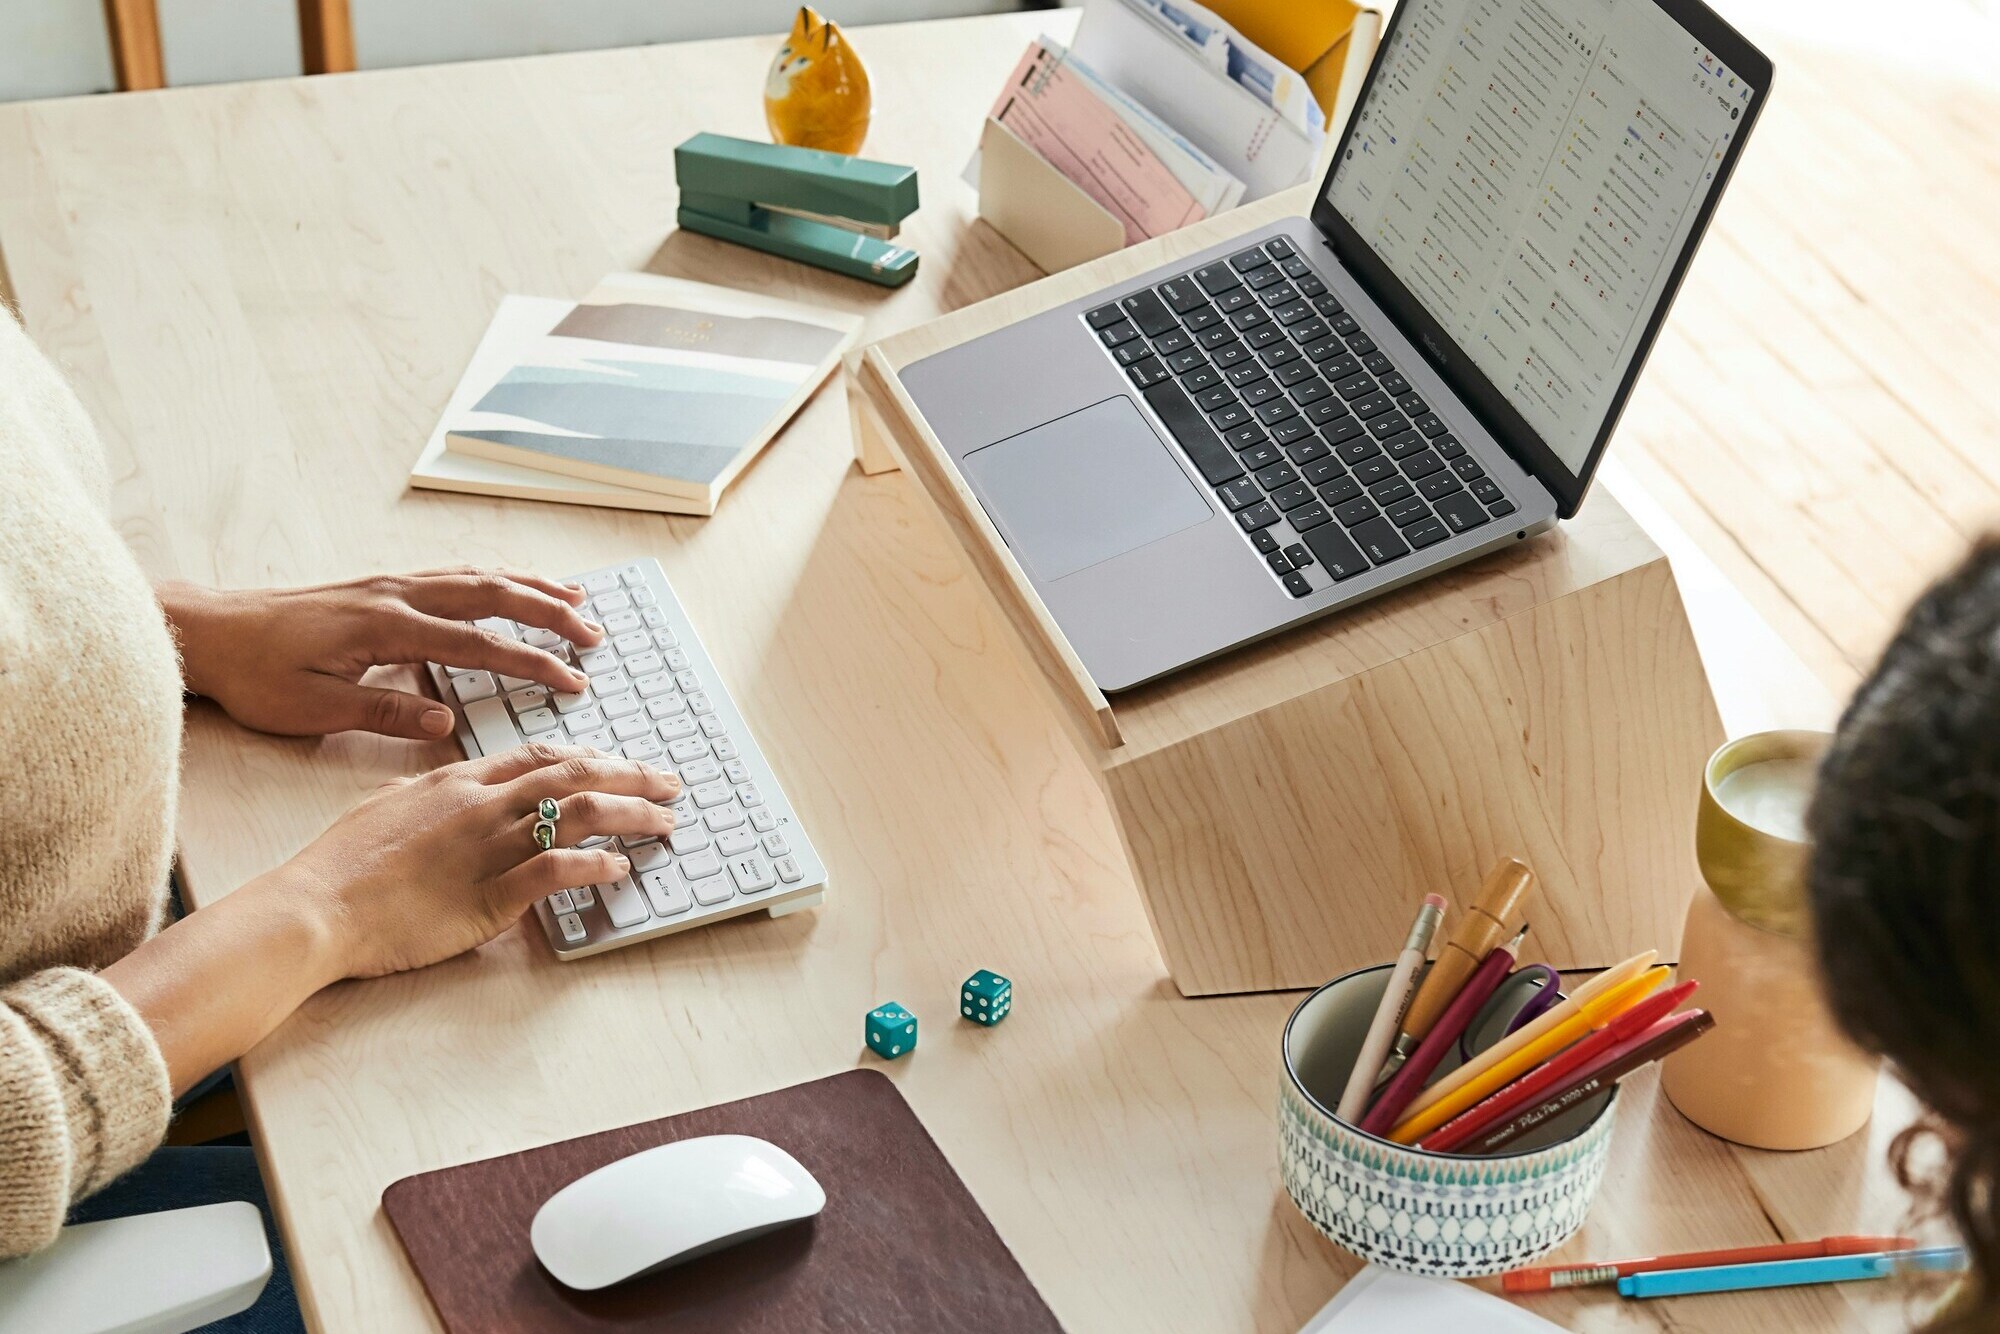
(1083, 488)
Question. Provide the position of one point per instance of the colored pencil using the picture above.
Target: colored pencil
(1530, 1087)
(1792, 1273)
(1389, 1013)
(1548, 1278)
(1409, 1080)
(1668, 1035)
(1431, 1110)
(1614, 976)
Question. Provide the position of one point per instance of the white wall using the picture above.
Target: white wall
(53, 48)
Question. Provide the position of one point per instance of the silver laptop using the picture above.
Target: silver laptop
(1423, 371)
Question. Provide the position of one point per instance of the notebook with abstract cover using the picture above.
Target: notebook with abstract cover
(657, 385)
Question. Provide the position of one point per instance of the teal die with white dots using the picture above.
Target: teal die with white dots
(985, 998)
(891, 1030)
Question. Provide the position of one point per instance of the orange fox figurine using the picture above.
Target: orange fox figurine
(816, 95)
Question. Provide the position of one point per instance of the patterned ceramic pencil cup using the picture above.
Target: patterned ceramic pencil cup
(1425, 1213)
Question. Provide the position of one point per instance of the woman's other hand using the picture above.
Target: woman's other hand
(430, 867)
(291, 660)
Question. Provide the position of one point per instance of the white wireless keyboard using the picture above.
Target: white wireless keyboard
(654, 696)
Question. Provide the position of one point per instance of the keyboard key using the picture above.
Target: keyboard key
(1358, 510)
(1291, 497)
(689, 838)
(1229, 351)
(1335, 551)
(620, 705)
(1431, 425)
(572, 928)
(1312, 391)
(1184, 422)
(1406, 512)
(1277, 475)
(714, 794)
(1264, 335)
(1369, 405)
(1260, 455)
(1260, 515)
(644, 749)
(751, 873)
(1351, 452)
(1277, 410)
(1279, 562)
(1259, 391)
(1292, 312)
(1343, 324)
(1448, 446)
(1247, 260)
(1238, 493)
(1257, 279)
(536, 721)
(1230, 418)
(1146, 310)
(1264, 540)
(1372, 470)
(1502, 506)
(1404, 445)
(1389, 423)
(665, 893)
(584, 720)
(1217, 277)
(1309, 449)
(1327, 305)
(623, 903)
(1284, 354)
(1421, 465)
(712, 891)
(1217, 397)
(1103, 316)
(1281, 248)
(1235, 299)
(1342, 429)
(1338, 491)
(1201, 377)
(1297, 585)
(788, 870)
(1297, 554)
(704, 770)
(473, 686)
(1306, 517)
(1430, 531)
(1438, 484)
(643, 664)
(1355, 386)
(1201, 317)
(1389, 492)
(1318, 472)
(1378, 363)
(1182, 294)
(1148, 372)
(608, 603)
(1379, 538)
(650, 855)
(1467, 467)
(1249, 317)
(1180, 363)
(604, 581)
(1293, 429)
(1360, 344)
(1174, 340)
(1485, 489)
(1412, 405)
(1277, 295)
(1461, 512)
(1246, 436)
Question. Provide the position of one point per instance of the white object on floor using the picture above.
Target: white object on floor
(161, 1273)
(1378, 1300)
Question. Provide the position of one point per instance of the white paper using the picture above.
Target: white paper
(1384, 1301)
(1131, 46)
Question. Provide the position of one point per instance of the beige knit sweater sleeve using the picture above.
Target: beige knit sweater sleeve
(89, 757)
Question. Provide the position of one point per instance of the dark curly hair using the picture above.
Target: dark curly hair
(1905, 888)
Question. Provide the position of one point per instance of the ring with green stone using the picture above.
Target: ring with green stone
(548, 810)
(545, 834)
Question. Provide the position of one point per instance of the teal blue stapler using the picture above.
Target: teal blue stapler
(819, 208)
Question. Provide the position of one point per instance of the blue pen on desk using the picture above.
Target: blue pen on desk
(1791, 1273)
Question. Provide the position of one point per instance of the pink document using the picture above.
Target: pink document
(1055, 111)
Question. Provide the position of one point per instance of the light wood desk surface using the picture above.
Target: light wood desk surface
(265, 293)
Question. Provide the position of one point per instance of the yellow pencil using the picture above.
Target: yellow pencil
(1611, 978)
(1591, 1014)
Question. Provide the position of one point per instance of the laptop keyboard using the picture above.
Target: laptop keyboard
(1284, 404)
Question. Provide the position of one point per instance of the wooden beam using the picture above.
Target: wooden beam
(326, 36)
(134, 26)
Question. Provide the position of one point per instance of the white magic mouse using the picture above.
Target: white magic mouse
(662, 1206)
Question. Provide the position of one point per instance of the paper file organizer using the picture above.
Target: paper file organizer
(1284, 807)
(1052, 221)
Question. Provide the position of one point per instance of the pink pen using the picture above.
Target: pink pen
(1410, 1080)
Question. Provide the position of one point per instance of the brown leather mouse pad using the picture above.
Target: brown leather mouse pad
(900, 1246)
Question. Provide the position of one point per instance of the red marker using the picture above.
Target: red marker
(1409, 1081)
(1504, 1102)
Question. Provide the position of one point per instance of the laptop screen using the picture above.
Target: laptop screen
(1532, 172)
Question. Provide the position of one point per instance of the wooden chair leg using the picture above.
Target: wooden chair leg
(135, 44)
(326, 36)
